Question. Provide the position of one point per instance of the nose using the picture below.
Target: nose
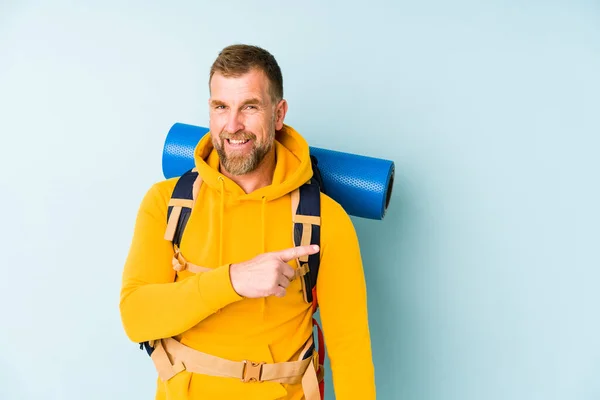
(234, 122)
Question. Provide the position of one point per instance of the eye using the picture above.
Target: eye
(251, 107)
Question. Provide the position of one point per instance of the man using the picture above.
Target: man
(242, 300)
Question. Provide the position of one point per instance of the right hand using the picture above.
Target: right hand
(267, 274)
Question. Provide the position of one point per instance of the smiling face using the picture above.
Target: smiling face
(243, 119)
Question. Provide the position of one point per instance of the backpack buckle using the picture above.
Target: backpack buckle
(252, 371)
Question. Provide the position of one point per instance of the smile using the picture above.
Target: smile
(237, 142)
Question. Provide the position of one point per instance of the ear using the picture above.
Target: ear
(280, 111)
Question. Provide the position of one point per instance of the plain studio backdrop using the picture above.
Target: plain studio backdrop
(483, 279)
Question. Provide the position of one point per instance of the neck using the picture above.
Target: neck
(262, 176)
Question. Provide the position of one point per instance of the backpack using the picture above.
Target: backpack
(306, 214)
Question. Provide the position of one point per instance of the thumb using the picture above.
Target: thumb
(297, 252)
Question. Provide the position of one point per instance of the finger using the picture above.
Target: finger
(283, 281)
(297, 252)
(288, 272)
(279, 292)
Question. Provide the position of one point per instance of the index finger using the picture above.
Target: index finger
(297, 252)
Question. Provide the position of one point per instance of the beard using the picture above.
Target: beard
(236, 162)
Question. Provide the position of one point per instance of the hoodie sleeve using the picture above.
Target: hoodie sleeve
(152, 305)
(341, 292)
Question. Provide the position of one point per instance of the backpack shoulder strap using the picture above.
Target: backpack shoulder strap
(178, 212)
(181, 204)
(306, 216)
(317, 173)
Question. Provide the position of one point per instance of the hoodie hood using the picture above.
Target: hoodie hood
(292, 170)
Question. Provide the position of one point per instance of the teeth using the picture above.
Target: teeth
(237, 141)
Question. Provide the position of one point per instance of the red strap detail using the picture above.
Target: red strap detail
(322, 388)
(321, 343)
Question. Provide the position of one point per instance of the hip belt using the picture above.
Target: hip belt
(170, 357)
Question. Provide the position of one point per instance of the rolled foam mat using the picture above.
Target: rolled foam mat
(361, 185)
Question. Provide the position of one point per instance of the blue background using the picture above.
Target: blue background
(483, 277)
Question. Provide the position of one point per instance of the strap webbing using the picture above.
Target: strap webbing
(171, 357)
(181, 204)
(306, 217)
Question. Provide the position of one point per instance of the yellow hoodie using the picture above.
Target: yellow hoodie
(203, 311)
